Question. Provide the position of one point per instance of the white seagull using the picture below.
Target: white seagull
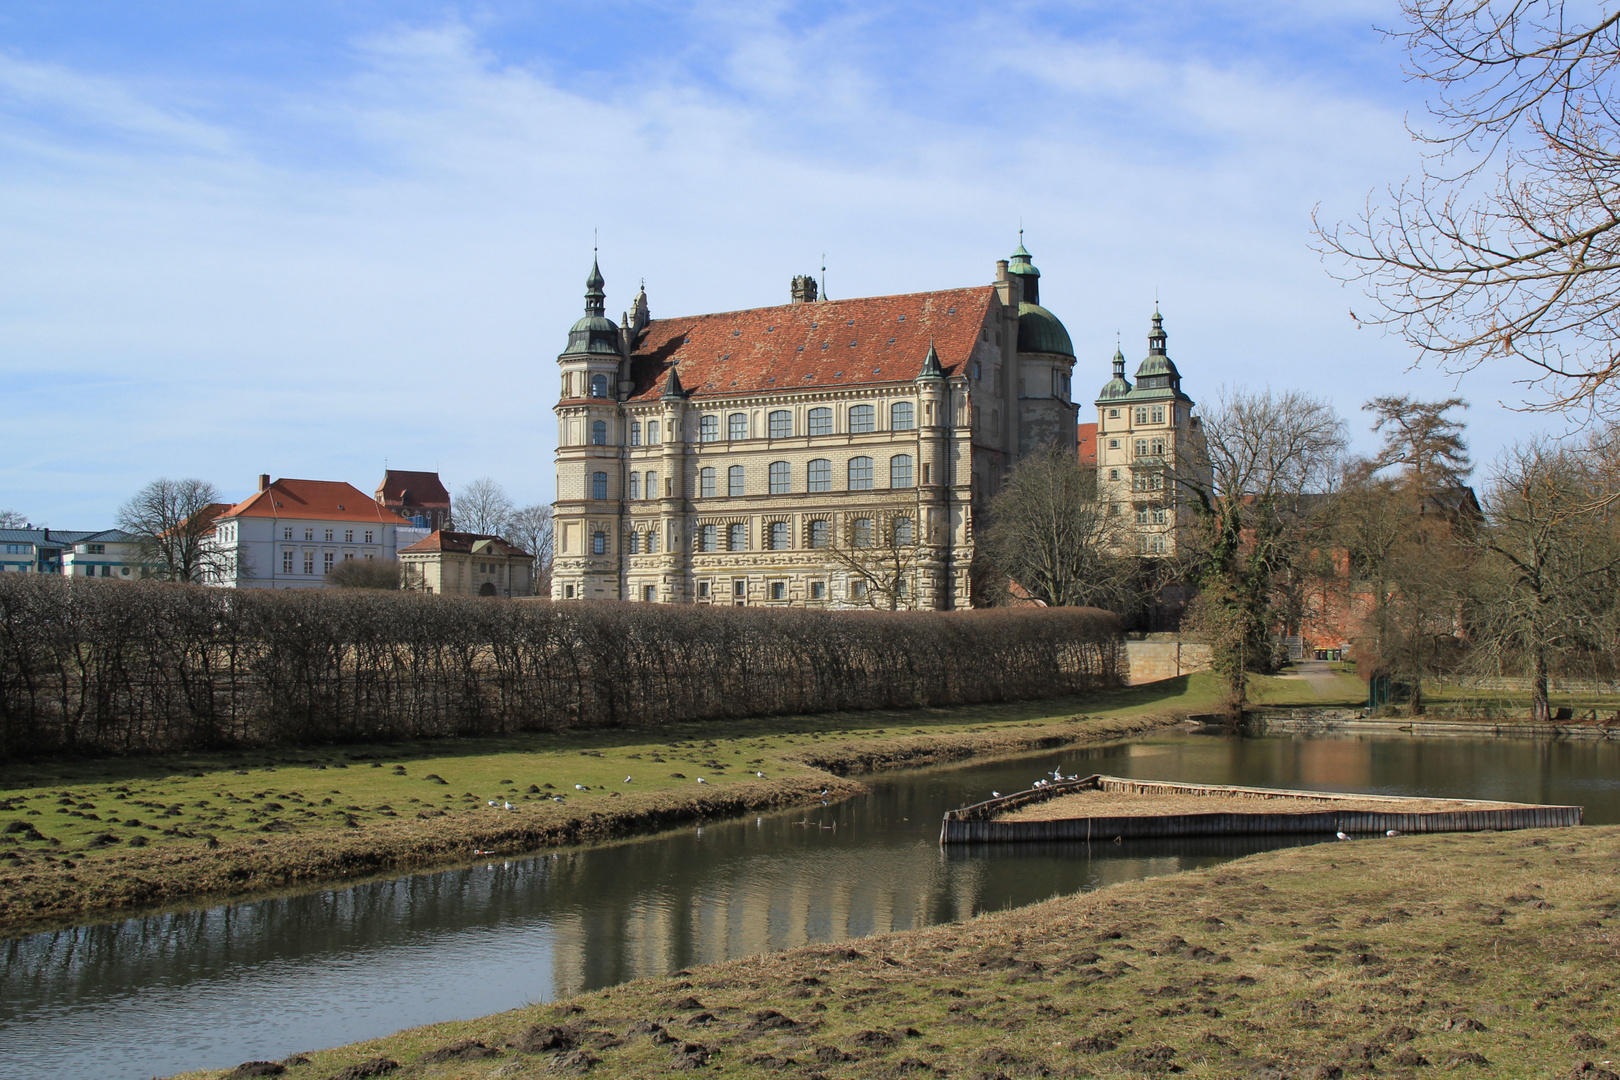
(1391, 832)
(995, 794)
(760, 775)
(509, 806)
(492, 802)
(702, 781)
(1343, 835)
(580, 787)
(628, 779)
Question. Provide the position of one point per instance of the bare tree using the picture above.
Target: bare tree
(482, 507)
(365, 574)
(1421, 440)
(171, 522)
(881, 557)
(1546, 594)
(1053, 535)
(1508, 247)
(10, 519)
(1266, 462)
(532, 529)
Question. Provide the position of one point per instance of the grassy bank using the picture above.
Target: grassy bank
(85, 839)
(1491, 955)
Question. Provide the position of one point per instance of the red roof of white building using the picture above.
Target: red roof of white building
(314, 500)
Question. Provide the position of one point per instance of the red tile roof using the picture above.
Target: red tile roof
(1086, 437)
(460, 542)
(412, 489)
(872, 340)
(316, 500)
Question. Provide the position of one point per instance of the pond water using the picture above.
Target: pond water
(212, 987)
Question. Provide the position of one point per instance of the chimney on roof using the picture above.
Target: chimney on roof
(264, 481)
(804, 289)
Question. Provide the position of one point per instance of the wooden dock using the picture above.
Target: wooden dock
(978, 824)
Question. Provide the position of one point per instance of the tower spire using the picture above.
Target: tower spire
(595, 297)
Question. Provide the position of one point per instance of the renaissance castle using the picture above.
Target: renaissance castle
(825, 452)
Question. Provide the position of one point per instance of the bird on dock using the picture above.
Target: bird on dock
(1343, 835)
(1057, 774)
(995, 794)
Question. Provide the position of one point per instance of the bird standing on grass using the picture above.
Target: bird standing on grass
(1343, 835)
(702, 781)
(579, 787)
(509, 806)
(628, 779)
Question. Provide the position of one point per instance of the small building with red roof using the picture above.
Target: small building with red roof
(291, 533)
(466, 564)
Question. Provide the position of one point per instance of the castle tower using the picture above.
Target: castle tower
(1044, 410)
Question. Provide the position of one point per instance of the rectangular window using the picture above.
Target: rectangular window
(703, 589)
(739, 587)
(1158, 414)
(734, 481)
(737, 426)
(635, 485)
(309, 534)
(368, 536)
(330, 559)
(900, 471)
(778, 590)
(348, 536)
(652, 485)
(781, 477)
(902, 416)
(96, 549)
(635, 433)
(287, 561)
(599, 485)
(329, 535)
(309, 562)
(857, 590)
(781, 535)
(286, 533)
(1141, 447)
(818, 590)
(653, 438)
(926, 473)
(568, 592)
(820, 532)
(649, 594)
(633, 544)
(706, 482)
(652, 542)
(1113, 414)
(709, 429)
(737, 537)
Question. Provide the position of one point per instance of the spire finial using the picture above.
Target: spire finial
(932, 368)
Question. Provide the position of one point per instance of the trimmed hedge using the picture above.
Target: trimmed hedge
(137, 667)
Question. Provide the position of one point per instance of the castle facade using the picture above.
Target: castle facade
(823, 453)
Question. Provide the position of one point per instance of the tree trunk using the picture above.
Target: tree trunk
(1539, 710)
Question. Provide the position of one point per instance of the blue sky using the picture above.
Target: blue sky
(307, 239)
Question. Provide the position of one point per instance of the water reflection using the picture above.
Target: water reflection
(265, 979)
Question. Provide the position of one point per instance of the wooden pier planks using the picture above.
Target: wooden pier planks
(975, 824)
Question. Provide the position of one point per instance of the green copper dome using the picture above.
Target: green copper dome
(593, 334)
(1039, 331)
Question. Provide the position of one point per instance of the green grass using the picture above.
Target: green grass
(1484, 955)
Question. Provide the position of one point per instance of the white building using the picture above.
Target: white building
(111, 555)
(291, 533)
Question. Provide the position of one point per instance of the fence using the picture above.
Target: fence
(150, 666)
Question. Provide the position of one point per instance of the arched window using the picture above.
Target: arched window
(652, 485)
(781, 424)
(635, 485)
(900, 471)
(635, 433)
(781, 477)
(737, 426)
(820, 533)
(902, 416)
(821, 422)
(652, 433)
(652, 542)
(708, 538)
(862, 418)
(737, 537)
(598, 542)
(709, 429)
(781, 535)
(633, 544)
(598, 485)
(904, 534)
(706, 482)
(819, 474)
(598, 432)
(598, 386)
(734, 481)
(860, 474)
(860, 532)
